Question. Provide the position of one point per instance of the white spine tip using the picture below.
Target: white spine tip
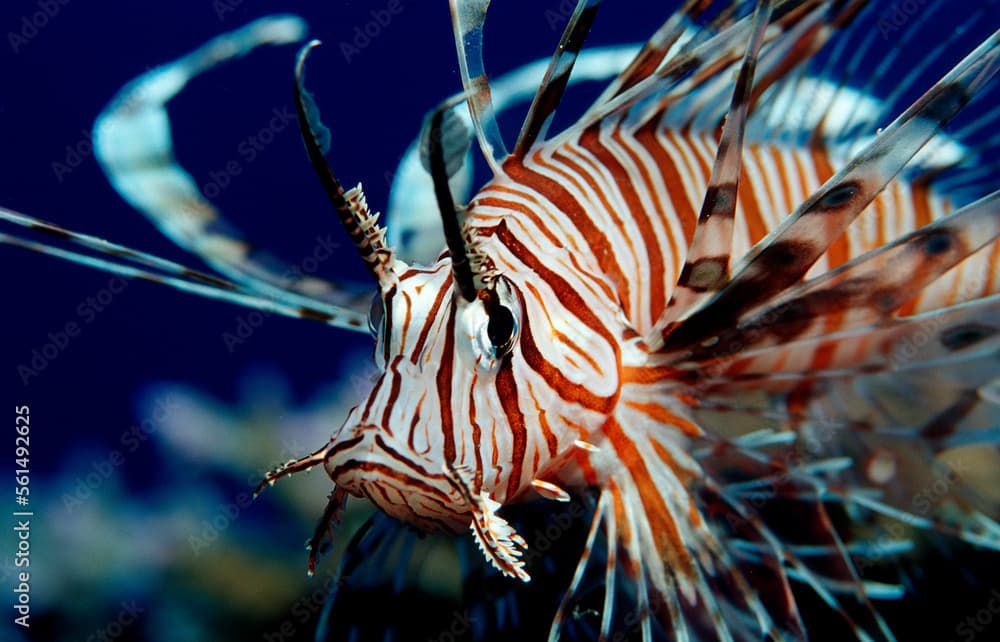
(550, 491)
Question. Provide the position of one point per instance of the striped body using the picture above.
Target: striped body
(566, 197)
(595, 261)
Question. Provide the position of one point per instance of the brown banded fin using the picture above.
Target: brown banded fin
(351, 206)
(550, 92)
(706, 268)
(322, 537)
(868, 288)
(292, 467)
(784, 256)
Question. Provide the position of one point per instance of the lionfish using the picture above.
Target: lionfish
(733, 302)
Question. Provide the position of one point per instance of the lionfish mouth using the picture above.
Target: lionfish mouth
(392, 477)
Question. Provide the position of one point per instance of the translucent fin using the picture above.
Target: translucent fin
(568, 597)
(106, 247)
(467, 19)
(174, 275)
(132, 142)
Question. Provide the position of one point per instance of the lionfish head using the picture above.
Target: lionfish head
(434, 348)
(441, 441)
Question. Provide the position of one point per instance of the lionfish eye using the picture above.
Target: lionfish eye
(376, 314)
(500, 329)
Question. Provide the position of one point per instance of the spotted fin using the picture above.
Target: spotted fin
(866, 289)
(706, 267)
(784, 256)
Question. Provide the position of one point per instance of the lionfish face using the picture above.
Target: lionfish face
(448, 427)
(494, 372)
(439, 357)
